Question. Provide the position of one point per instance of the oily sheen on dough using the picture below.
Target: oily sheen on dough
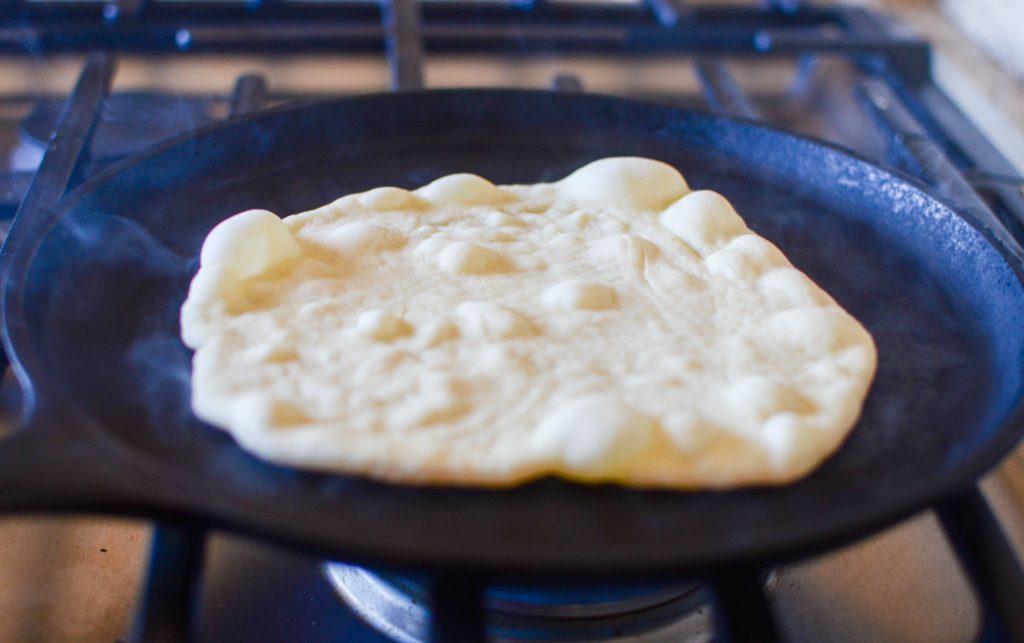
(613, 326)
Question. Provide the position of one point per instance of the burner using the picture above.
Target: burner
(129, 123)
(397, 607)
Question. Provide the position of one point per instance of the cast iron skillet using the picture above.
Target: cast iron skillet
(91, 321)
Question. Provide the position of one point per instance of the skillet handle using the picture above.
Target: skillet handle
(45, 464)
(989, 560)
(39, 469)
(47, 460)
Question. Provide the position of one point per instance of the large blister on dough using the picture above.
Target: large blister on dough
(250, 244)
(613, 326)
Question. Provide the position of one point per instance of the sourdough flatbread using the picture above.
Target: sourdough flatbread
(613, 326)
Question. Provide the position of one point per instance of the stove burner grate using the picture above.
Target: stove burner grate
(399, 607)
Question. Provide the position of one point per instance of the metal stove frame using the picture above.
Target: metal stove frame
(929, 136)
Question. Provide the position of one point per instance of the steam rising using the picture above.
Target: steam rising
(117, 301)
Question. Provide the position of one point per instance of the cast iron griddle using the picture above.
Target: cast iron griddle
(91, 320)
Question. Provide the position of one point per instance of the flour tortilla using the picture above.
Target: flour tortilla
(613, 326)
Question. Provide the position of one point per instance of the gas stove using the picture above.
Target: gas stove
(115, 78)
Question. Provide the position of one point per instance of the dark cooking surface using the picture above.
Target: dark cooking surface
(102, 297)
